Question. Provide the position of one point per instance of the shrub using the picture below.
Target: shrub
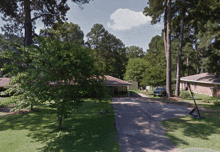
(185, 94)
(216, 102)
(206, 99)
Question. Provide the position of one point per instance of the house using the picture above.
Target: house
(203, 83)
(116, 85)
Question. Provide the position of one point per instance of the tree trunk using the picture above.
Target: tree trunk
(187, 64)
(28, 23)
(197, 64)
(165, 28)
(59, 122)
(168, 51)
(179, 55)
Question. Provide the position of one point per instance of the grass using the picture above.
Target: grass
(189, 132)
(36, 131)
(5, 101)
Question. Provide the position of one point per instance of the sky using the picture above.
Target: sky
(122, 18)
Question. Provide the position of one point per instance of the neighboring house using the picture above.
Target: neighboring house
(116, 85)
(203, 83)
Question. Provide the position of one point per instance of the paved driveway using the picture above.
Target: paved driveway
(137, 122)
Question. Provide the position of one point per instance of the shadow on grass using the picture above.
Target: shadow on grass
(86, 130)
(196, 132)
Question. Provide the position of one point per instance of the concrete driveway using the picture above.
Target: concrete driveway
(137, 122)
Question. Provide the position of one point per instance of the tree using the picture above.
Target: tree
(108, 50)
(135, 69)
(134, 52)
(155, 73)
(18, 14)
(67, 32)
(61, 72)
(210, 41)
(155, 10)
(6, 43)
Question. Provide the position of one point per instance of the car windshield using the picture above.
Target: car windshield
(159, 88)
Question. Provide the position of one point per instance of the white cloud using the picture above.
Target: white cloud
(125, 19)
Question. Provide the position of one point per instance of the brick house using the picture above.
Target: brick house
(203, 83)
(116, 85)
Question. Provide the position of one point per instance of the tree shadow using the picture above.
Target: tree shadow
(85, 130)
(197, 129)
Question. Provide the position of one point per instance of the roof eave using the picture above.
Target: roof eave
(199, 81)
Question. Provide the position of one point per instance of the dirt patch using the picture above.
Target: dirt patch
(8, 111)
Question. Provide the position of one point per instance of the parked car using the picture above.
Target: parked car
(160, 91)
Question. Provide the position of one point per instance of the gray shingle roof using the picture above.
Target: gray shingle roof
(202, 78)
(112, 81)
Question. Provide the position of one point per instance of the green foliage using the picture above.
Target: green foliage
(154, 10)
(5, 101)
(216, 102)
(59, 71)
(23, 15)
(206, 99)
(135, 69)
(66, 32)
(7, 43)
(185, 94)
(154, 76)
(134, 52)
(155, 73)
(108, 51)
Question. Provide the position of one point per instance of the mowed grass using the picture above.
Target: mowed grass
(86, 130)
(189, 132)
(5, 101)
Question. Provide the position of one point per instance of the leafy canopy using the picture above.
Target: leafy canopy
(61, 72)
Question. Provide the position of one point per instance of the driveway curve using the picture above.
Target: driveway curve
(138, 123)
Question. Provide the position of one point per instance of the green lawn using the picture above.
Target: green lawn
(189, 132)
(5, 101)
(37, 131)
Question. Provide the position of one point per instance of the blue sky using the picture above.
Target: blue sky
(122, 18)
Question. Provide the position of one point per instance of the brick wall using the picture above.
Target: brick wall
(218, 93)
(201, 88)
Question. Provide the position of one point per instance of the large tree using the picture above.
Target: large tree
(23, 14)
(155, 9)
(61, 72)
(135, 69)
(155, 73)
(134, 52)
(108, 50)
(67, 32)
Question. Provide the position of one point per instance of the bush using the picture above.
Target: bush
(206, 99)
(185, 94)
(216, 102)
